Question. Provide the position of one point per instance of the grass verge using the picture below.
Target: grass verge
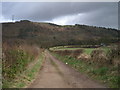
(106, 75)
(25, 78)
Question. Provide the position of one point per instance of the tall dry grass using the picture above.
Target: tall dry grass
(15, 58)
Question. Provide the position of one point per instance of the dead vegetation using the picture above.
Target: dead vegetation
(84, 57)
(48, 35)
(100, 65)
(76, 53)
(97, 56)
(15, 59)
(114, 56)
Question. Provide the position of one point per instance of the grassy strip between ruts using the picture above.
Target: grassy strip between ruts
(24, 79)
(104, 75)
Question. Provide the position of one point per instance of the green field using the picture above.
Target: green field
(86, 50)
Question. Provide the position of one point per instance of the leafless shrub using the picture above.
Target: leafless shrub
(99, 57)
(114, 56)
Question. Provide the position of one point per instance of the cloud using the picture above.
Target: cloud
(68, 19)
(2, 19)
(91, 13)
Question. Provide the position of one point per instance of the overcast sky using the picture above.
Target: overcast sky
(103, 14)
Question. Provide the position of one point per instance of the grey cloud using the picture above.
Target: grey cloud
(97, 13)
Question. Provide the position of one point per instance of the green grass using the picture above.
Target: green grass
(106, 49)
(63, 48)
(20, 60)
(86, 50)
(24, 78)
(89, 50)
(104, 75)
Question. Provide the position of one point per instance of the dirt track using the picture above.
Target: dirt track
(56, 74)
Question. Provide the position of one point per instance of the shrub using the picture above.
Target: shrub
(114, 55)
(99, 57)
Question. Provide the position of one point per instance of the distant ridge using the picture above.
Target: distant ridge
(49, 34)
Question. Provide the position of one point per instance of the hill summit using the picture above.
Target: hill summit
(49, 34)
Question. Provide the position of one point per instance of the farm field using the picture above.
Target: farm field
(86, 50)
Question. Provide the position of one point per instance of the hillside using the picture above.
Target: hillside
(24, 53)
(48, 34)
